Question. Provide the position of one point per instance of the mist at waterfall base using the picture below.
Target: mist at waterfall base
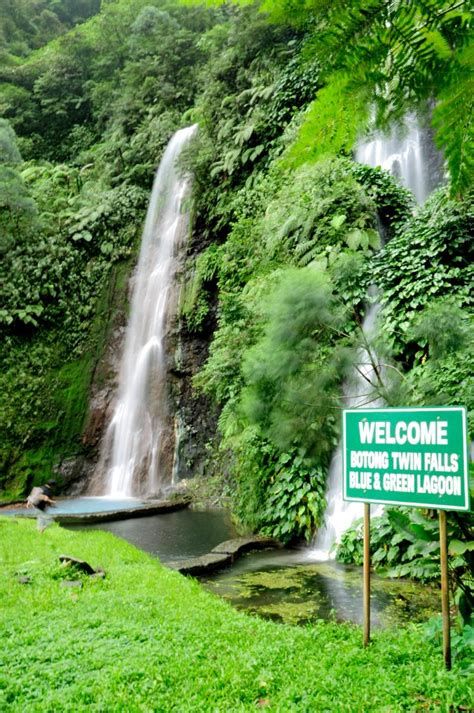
(138, 450)
(409, 154)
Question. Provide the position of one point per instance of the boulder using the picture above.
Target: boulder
(79, 565)
(73, 584)
(24, 580)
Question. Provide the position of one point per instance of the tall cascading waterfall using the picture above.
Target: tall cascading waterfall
(138, 448)
(409, 154)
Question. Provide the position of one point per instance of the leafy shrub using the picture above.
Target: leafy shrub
(462, 643)
(431, 257)
(404, 542)
(394, 545)
(291, 374)
(295, 499)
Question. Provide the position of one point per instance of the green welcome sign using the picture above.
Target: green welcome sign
(407, 456)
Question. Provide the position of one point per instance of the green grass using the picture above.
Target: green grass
(148, 639)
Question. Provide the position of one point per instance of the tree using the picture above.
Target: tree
(17, 209)
(9, 153)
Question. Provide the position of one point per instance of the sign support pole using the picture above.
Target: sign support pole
(366, 574)
(444, 589)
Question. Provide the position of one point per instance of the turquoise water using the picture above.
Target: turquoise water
(85, 505)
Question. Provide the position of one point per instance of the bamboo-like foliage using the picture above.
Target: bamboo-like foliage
(394, 55)
(401, 54)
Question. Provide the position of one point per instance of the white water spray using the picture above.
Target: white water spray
(359, 391)
(138, 448)
(408, 153)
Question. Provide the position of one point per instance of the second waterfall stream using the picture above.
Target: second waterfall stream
(412, 158)
(138, 448)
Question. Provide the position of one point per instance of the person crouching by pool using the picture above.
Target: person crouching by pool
(40, 500)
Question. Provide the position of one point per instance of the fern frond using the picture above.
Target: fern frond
(331, 124)
(453, 122)
(307, 252)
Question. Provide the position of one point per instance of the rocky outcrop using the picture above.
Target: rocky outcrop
(74, 473)
(74, 563)
(196, 416)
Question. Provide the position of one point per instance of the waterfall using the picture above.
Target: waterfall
(409, 154)
(358, 390)
(138, 448)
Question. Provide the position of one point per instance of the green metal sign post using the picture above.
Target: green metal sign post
(407, 456)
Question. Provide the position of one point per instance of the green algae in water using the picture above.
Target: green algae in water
(301, 594)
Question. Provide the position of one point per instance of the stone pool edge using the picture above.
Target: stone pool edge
(223, 555)
(156, 507)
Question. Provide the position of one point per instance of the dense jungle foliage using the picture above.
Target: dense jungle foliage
(286, 240)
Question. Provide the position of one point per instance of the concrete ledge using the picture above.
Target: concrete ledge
(201, 565)
(155, 507)
(239, 545)
(223, 555)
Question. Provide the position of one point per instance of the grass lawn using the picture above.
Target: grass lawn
(148, 639)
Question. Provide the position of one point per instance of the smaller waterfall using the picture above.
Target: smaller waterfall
(407, 152)
(138, 446)
(410, 155)
(359, 390)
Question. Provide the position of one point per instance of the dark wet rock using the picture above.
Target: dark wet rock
(99, 413)
(201, 565)
(223, 555)
(239, 545)
(82, 566)
(73, 473)
(79, 565)
(196, 414)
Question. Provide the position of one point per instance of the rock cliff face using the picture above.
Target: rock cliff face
(196, 416)
(193, 418)
(77, 473)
